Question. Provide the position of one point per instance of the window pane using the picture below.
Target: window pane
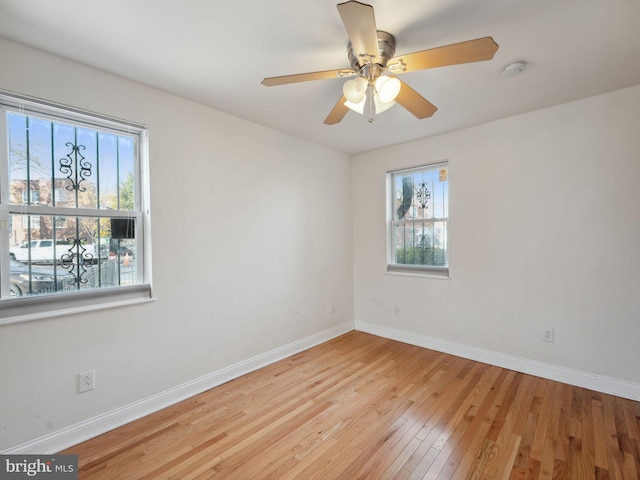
(422, 243)
(57, 164)
(421, 194)
(83, 256)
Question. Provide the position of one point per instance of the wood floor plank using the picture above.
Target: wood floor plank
(600, 445)
(469, 432)
(505, 468)
(588, 436)
(365, 407)
(547, 462)
(515, 406)
(477, 450)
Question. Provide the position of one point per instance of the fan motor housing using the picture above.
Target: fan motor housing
(386, 50)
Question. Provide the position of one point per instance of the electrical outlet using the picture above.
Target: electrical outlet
(547, 335)
(332, 310)
(86, 381)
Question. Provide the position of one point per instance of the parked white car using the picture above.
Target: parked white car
(42, 251)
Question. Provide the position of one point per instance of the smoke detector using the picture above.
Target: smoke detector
(513, 69)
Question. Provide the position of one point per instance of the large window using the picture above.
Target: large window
(73, 211)
(418, 202)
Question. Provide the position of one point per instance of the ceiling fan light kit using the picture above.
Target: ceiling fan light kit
(371, 56)
(383, 90)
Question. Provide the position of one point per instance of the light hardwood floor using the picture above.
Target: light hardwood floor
(364, 407)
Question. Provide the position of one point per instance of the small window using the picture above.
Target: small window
(35, 223)
(60, 195)
(67, 177)
(30, 196)
(418, 202)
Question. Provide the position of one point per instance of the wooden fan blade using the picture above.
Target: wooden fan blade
(337, 114)
(360, 23)
(414, 102)
(305, 77)
(464, 52)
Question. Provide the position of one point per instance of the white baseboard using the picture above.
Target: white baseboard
(612, 386)
(92, 427)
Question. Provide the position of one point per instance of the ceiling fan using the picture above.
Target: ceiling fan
(371, 55)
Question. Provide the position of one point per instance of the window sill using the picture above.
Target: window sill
(47, 306)
(410, 271)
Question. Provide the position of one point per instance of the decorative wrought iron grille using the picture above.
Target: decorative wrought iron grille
(76, 167)
(77, 261)
(423, 195)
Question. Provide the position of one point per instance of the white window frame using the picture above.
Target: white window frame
(41, 306)
(413, 269)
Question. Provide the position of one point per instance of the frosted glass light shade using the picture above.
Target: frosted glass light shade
(388, 88)
(355, 89)
(380, 105)
(356, 107)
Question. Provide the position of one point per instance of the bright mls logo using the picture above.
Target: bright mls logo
(52, 467)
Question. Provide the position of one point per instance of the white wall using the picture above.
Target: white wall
(544, 232)
(251, 246)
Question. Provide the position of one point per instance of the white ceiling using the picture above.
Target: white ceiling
(217, 53)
